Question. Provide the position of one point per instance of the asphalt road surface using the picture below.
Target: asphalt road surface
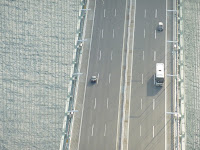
(147, 109)
(100, 114)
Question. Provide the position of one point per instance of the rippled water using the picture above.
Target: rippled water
(191, 19)
(36, 44)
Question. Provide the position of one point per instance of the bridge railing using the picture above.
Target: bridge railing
(180, 65)
(75, 72)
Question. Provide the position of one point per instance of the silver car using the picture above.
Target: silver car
(160, 26)
(93, 79)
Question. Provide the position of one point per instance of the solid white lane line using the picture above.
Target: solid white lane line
(115, 12)
(140, 130)
(111, 55)
(109, 77)
(154, 80)
(153, 131)
(141, 103)
(113, 33)
(153, 104)
(145, 13)
(92, 130)
(105, 130)
(154, 56)
(104, 13)
(95, 103)
(107, 103)
(100, 55)
(144, 33)
(98, 78)
(143, 55)
(155, 34)
(156, 13)
(142, 78)
(166, 131)
(102, 34)
(132, 47)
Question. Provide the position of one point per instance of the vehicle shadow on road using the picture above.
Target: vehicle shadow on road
(152, 89)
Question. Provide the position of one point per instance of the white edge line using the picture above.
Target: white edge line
(86, 78)
(165, 78)
(117, 139)
(131, 77)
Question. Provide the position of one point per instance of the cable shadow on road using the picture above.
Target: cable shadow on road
(152, 89)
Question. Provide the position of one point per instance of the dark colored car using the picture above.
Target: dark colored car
(93, 79)
(160, 26)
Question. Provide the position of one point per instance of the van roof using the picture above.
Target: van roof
(160, 70)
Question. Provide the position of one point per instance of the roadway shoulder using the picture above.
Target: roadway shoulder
(76, 125)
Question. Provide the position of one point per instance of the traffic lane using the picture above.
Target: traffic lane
(159, 122)
(157, 140)
(145, 115)
(147, 47)
(142, 120)
(155, 109)
(111, 107)
(154, 50)
(101, 91)
(137, 100)
(115, 13)
(115, 56)
(96, 49)
(113, 50)
(102, 75)
(98, 93)
(154, 53)
(158, 93)
(112, 78)
(88, 125)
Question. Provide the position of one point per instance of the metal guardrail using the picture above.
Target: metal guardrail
(180, 94)
(69, 109)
